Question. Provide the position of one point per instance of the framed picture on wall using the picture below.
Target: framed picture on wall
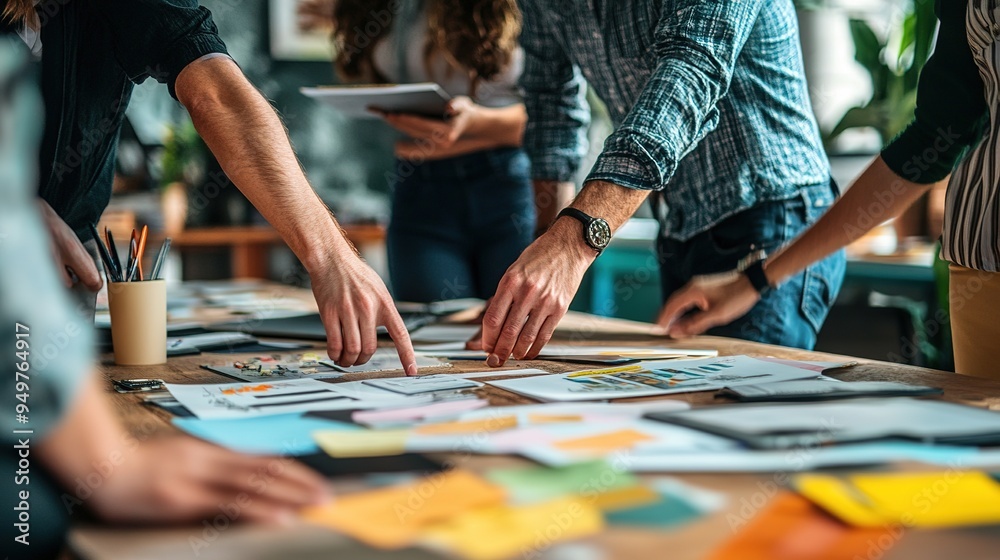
(288, 42)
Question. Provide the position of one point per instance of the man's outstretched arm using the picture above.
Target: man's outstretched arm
(250, 142)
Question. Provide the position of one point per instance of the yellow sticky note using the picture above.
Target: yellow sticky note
(554, 418)
(839, 498)
(393, 517)
(944, 499)
(604, 443)
(487, 425)
(502, 532)
(629, 497)
(363, 443)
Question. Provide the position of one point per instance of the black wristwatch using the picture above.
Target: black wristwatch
(752, 266)
(596, 231)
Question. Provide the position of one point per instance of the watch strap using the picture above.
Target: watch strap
(577, 214)
(758, 279)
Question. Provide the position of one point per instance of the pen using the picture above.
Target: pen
(105, 257)
(114, 253)
(155, 275)
(133, 245)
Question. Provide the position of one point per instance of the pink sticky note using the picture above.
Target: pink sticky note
(414, 413)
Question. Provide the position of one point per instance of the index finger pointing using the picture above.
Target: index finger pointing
(401, 338)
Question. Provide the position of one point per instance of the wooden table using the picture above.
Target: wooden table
(249, 245)
(693, 541)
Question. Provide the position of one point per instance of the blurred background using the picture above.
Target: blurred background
(862, 59)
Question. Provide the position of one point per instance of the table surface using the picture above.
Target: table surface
(695, 540)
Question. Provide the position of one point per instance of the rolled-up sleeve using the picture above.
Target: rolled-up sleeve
(697, 46)
(54, 342)
(555, 98)
(950, 109)
(159, 38)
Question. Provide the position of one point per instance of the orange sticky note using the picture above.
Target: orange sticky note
(554, 418)
(391, 518)
(501, 532)
(629, 497)
(791, 528)
(468, 426)
(607, 442)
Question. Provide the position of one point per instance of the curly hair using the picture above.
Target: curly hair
(476, 36)
(17, 12)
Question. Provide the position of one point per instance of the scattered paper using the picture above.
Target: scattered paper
(366, 443)
(483, 426)
(652, 378)
(932, 500)
(422, 384)
(247, 400)
(528, 485)
(391, 518)
(502, 532)
(386, 359)
(415, 413)
(285, 434)
(604, 443)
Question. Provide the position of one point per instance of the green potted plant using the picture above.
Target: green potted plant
(181, 164)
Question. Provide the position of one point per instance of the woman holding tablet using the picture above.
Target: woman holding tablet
(462, 199)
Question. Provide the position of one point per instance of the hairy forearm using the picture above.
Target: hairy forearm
(614, 203)
(247, 137)
(877, 195)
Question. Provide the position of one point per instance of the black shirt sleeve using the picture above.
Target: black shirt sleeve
(950, 105)
(159, 38)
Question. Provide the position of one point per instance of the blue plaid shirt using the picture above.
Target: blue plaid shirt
(708, 99)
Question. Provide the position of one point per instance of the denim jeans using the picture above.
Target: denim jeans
(457, 224)
(793, 314)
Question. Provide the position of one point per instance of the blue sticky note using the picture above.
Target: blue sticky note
(285, 434)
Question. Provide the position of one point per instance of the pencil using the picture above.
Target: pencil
(142, 249)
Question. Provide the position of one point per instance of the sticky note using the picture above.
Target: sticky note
(554, 418)
(393, 517)
(483, 425)
(604, 443)
(660, 511)
(618, 499)
(363, 443)
(791, 527)
(537, 484)
(502, 532)
(284, 434)
(932, 500)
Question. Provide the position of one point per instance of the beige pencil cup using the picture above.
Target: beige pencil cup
(139, 322)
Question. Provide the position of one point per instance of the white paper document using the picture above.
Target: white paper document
(386, 359)
(653, 378)
(422, 384)
(242, 400)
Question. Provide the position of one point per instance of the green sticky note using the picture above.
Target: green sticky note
(537, 484)
(667, 512)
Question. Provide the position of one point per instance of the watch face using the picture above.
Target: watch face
(598, 234)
